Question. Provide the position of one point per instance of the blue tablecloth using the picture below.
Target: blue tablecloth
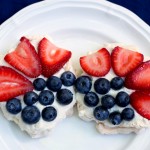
(139, 7)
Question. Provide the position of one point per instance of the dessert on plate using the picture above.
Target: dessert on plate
(36, 89)
(114, 89)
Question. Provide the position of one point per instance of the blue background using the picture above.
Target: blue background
(139, 7)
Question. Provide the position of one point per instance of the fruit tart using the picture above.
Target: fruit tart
(36, 89)
(114, 89)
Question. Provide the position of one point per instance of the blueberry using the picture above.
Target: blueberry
(64, 96)
(13, 106)
(115, 118)
(39, 84)
(122, 99)
(101, 113)
(108, 101)
(46, 97)
(54, 83)
(68, 78)
(102, 86)
(91, 99)
(83, 84)
(49, 113)
(117, 83)
(30, 98)
(127, 114)
(30, 114)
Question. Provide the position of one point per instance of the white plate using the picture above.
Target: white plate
(79, 25)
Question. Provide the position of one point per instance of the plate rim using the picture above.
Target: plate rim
(109, 6)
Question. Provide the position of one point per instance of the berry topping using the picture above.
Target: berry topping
(91, 99)
(13, 106)
(122, 99)
(140, 101)
(139, 79)
(127, 114)
(108, 101)
(39, 84)
(46, 97)
(115, 118)
(30, 114)
(68, 78)
(49, 113)
(117, 83)
(102, 86)
(64, 96)
(83, 84)
(124, 61)
(101, 113)
(12, 84)
(30, 98)
(25, 59)
(54, 83)
(96, 64)
(52, 58)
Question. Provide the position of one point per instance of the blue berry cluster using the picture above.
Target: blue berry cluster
(30, 114)
(101, 87)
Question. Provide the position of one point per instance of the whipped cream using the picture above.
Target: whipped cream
(105, 127)
(42, 127)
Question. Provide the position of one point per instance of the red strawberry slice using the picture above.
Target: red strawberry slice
(97, 64)
(124, 61)
(140, 101)
(139, 79)
(52, 57)
(25, 59)
(12, 84)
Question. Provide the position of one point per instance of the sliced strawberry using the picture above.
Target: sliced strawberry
(25, 59)
(52, 57)
(12, 84)
(139, 79)
(96, 64)
(140, 101)
(124, 61)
